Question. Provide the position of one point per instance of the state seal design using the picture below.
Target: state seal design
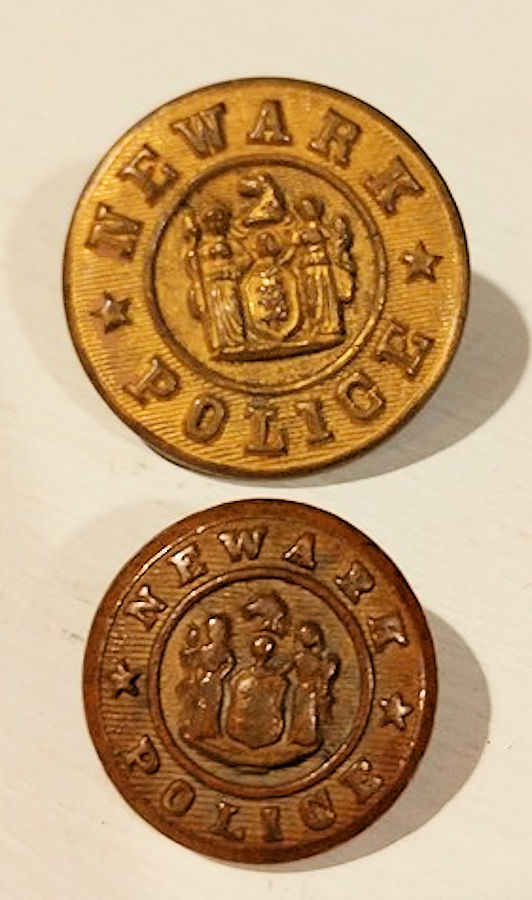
(260, 681)
(265, 277)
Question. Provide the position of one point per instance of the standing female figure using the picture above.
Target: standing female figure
(212, 662)
(316, 277)
(216, 264)
(315, 669)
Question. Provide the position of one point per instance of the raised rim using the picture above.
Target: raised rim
(97, 637)
(177, 454)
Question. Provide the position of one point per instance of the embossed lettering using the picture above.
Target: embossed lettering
(178, 797)
(222, 825)
(205, 419)
(394, 182)
(335, 138)
(144, 755)
(407, 351)
(362, 780)
(311, 411)
(243, 543)
(302, 552)
(141, 170)
(159, 382)
(266, 436)
(271, 823)
(356, 581)
(387, 629)
(317, 811)
(188, 564)
(113, 234)
(145, 607)
(204, 131)
(270, 127)
(361, 396)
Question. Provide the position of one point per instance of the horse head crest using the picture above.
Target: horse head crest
(270, 612)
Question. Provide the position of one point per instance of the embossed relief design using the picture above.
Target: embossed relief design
(269, 279)
(261, 676)
(267, 262)
(265, 277)
(270, 705)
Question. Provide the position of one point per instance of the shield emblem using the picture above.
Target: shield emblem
(256, 711)
(271, 301)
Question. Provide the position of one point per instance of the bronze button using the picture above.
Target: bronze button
(260, 681)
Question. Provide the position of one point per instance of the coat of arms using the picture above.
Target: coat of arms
(269, 280)
(268, 708)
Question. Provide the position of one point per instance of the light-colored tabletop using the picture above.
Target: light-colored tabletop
(448, 497)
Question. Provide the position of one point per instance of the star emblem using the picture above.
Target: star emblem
(125, 679)
(420, 263)
(113, 313)
(395, 711)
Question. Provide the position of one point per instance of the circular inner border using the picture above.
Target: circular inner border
(349, 622)
(173, 449)
(110, 606)
(345, 356)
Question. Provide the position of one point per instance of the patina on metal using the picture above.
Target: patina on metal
(260, 681)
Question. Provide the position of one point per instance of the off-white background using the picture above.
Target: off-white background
(448, 497)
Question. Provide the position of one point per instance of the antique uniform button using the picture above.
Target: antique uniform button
(260, 681)
(265, 277)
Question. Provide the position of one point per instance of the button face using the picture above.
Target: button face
(260, 681)
(265, 277)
